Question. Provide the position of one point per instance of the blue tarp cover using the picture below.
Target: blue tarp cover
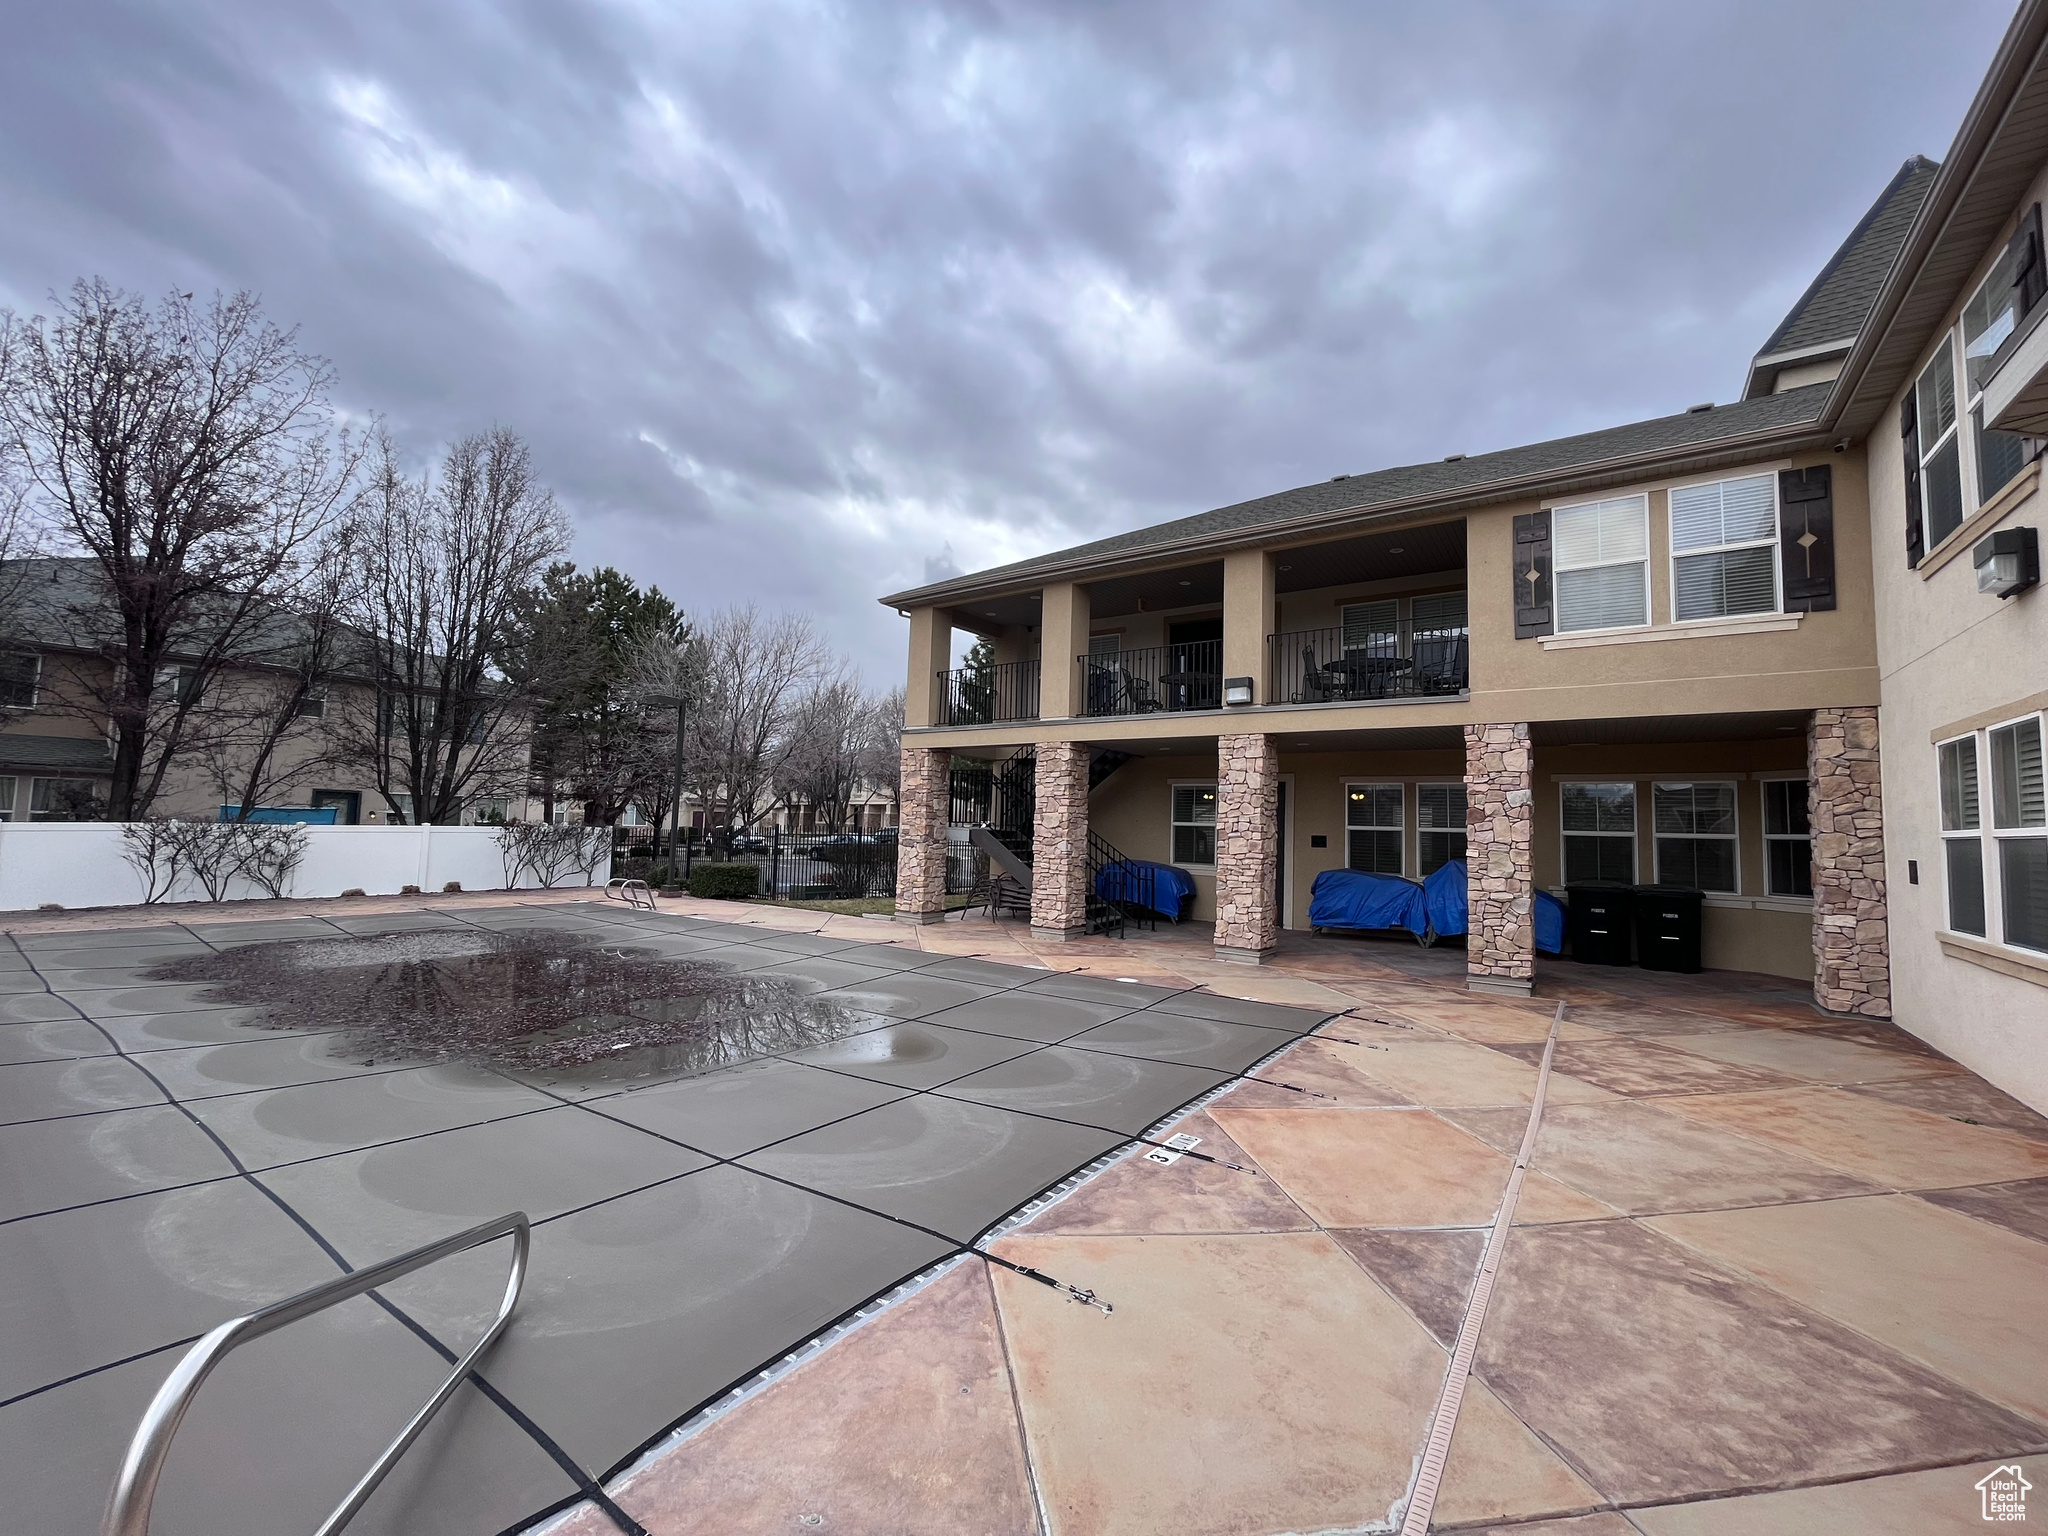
(1444, 893)
(1162, 888)
(312, 816)
(1350, 898)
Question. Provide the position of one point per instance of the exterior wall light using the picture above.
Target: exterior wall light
(2008, 562)
(1237, 690)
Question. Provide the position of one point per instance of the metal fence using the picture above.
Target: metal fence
(1154, 679)
(830, 866)
(1320, 666)
(1006, 690)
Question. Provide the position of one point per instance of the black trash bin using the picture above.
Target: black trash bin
(1668, 921)
(1601, 919)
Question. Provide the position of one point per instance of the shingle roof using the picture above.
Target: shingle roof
(76, 754)
(1838, 301)
(1445, 480)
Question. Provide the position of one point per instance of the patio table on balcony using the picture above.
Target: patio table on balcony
(1192, 690)
(1364, 676)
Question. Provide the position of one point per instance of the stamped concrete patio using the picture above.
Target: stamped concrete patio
(1773, 1272)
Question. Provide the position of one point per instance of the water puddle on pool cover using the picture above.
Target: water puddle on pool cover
(549, 1003)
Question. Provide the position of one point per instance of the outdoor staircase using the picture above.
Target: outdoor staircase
(1010, 800)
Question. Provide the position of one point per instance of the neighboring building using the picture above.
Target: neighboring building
(1693, 650)
(56, 743)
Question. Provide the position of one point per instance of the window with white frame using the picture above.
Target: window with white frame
(20, 671)
(1600, 557)
(1599, 825)
(401, 809)
(313, 706)
(488, 811)
(1724, 548)
(1194, 823)
(1962, 837)
(1988, 319)
(1941, 465)
(1440, 826)
(1372, 629)
(1788, 839)
(2019, 826)
(1372, 828)
(1694, 827)
(64, 800)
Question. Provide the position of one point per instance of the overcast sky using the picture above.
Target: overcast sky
(803, 303)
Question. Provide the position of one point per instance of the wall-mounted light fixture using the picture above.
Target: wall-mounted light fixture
(2008, 562)
(1237, 690)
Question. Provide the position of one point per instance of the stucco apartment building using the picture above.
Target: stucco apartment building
(1749, 649)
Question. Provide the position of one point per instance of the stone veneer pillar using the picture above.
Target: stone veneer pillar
(1852, 970)
(921, 839)
(1500, 863)
(1059, 842)
(1247, 836)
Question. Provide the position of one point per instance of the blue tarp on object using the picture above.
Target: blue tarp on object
(1351, 898)
(308, 815)
(1162, 888)
(1444, 895)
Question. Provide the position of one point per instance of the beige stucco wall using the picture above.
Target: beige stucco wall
(1946, 654)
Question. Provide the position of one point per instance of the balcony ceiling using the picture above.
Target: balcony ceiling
(1386, 556)
(1776, 725)
(1188, 586)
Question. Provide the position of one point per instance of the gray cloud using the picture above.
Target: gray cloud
(801, 303)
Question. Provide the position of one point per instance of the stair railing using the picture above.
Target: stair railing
(135, 1489)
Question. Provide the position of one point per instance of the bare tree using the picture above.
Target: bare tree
(187, 451)
(824, 759)
(441, 566)
(743, 674)
(881, 749)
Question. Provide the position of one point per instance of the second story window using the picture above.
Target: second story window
(1724, 548)
(1994, 312)
(1937, 450)
(20, 671)
(1601, 556)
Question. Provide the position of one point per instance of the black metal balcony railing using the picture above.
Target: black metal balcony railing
(1155, 678)
(1005, 690)
(1318, 666)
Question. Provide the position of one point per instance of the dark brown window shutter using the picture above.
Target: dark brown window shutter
(2030, 273)
(1806, 538)
(1908, 420)
(1532, 575)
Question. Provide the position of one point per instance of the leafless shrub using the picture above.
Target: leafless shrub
(157, 850)
(550, 853)
(271, 854)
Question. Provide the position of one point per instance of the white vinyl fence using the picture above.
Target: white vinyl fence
(83, 864)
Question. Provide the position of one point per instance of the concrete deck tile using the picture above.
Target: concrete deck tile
(46, 1165)
(1491, 1026)
(2020, 1207)
(1225, 1394)
(1429, 1273)
(1498, 1468)
(1460, 1072)
(1880, 1033)
(1889, 1144)
(1968, 1099)
(949, 1166)
(1287, 1018)
(1908, 1504)
(1637, 1068)
(1638, 1159)
(1137, 1196)
(51, 1040)
(1261, 985)
(1663, 1375)
(1931, 1283)
(84, 1085)
(1321, 1065)
(1425, 1172)
(1810, 1055)
(906, 1427)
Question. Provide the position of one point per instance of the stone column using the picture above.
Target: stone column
(1059, 842)
(1852, 970)
(921, 836)
(1500, 864)
(1247, 847)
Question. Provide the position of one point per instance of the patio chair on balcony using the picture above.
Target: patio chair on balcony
(1315, 683)
(1440, 666)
